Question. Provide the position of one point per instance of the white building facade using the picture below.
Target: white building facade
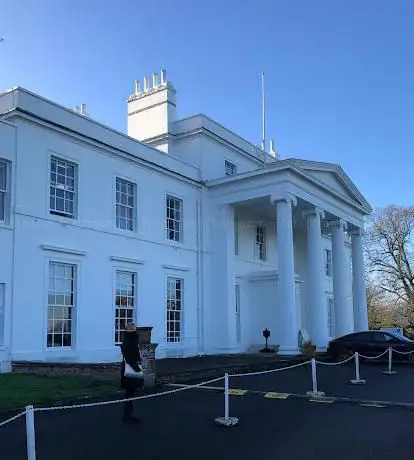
(180, 225)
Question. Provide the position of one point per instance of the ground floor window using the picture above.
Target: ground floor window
(238, 322)
(331, 318)
(61, 304)
(125, 302)
(2, 311)
(174, 309)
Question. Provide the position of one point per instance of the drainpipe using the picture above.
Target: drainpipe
(200, 271)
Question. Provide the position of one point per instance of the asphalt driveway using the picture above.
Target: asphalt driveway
(334, 381)
(181, 427)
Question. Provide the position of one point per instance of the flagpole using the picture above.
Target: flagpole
(263, 118)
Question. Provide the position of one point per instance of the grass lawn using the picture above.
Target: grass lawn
(19, 390)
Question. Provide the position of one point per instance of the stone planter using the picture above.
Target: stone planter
(144, 335)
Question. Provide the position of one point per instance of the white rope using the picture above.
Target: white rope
(337, 364)
(136, 398)
(247, 374)
(374, 357)
(403, 352)
(12, 419)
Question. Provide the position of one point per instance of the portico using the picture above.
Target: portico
(287, 289)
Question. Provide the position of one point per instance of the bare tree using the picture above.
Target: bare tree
(381, 312)
(389, 249)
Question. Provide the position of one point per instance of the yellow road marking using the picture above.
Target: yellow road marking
(236, 392)
(273, 395)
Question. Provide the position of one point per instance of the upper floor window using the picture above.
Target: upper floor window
(328, 262)
(62, 187)
(3, 190)
(260, 247)
(230, 168)
(125, 204)
(174, 209)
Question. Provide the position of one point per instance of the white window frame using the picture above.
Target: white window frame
(2, 314)
(260, 242)
(327, 254)
(5, 192)
(230, 168)
(330, 316)
(171, 334)
(131, 222)
(72, 307)
(66, 188)
(175, 231)
(118, 331)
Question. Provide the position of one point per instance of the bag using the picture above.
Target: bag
(129, 372)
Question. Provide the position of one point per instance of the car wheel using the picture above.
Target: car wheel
(344, 354)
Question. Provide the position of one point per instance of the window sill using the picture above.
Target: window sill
(178, 244)
(60, 352)
(63, 219)
(6, 225)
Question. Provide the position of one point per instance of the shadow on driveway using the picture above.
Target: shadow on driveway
(181, 427)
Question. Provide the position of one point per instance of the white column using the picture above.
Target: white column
(222, 331)
(344, 320)
(359, 291)
(288, 332)
(317, 318)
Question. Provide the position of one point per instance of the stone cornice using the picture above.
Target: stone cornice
(284, 196)
(314, 211)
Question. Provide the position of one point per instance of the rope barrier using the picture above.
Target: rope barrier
(373, 357)
(136, 398)
(403, 352)
(336, 364)
(247, 374)
(5, 422)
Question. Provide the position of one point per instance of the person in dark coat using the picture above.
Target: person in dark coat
(131, 354)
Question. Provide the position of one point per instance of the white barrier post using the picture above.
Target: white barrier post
(30, 434)
(226, 420)
(226, 396)
(314, 391)
(357, 380)
(389, 371)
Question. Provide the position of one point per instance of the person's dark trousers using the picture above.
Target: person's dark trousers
(129, 405)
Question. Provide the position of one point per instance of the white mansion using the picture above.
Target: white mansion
(181, 224)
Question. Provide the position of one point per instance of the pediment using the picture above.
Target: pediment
(332, 181)
(334, 178)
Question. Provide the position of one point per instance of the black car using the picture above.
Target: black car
(370, 343)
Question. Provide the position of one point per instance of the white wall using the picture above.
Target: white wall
(209, 156)
(95, 234)
(7, 152)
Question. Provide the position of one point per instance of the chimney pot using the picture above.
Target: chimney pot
(137, 85)
(155, 80)
(163, 77)
(146, 84)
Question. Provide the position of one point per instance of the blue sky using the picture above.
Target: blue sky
(339, 73)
